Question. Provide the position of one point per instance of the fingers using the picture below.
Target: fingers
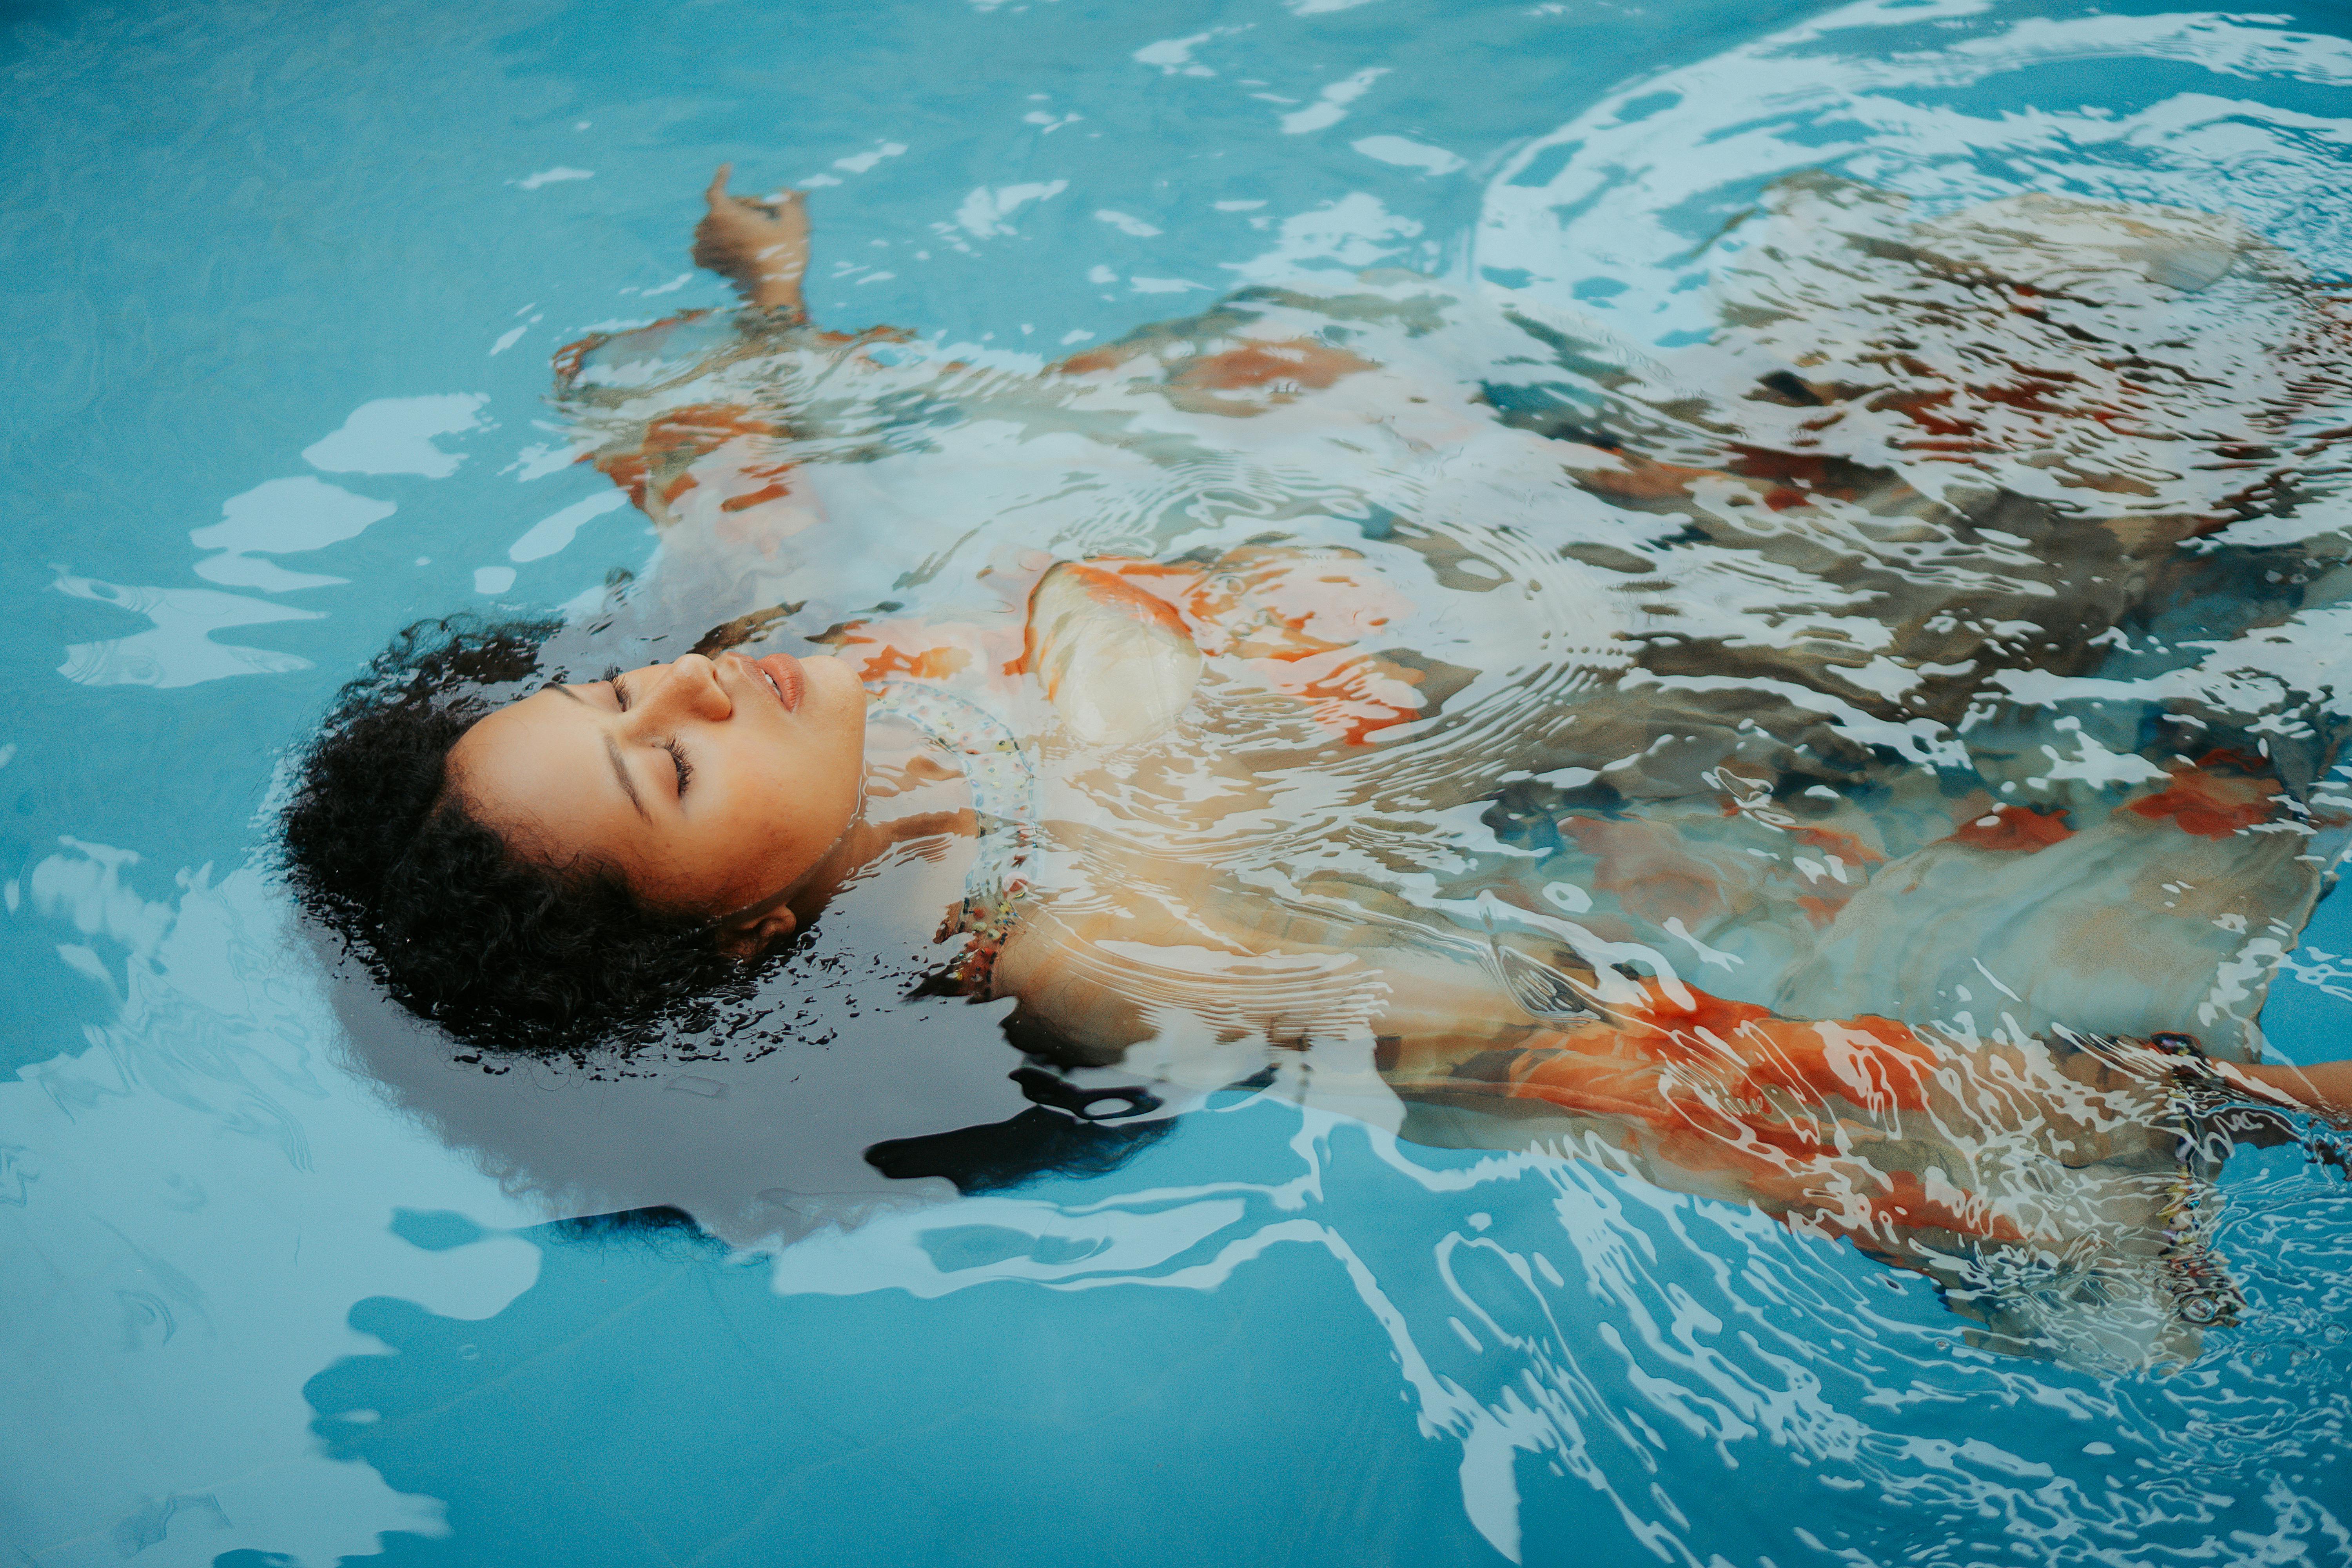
(775, 204)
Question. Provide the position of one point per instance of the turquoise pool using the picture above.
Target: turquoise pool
(289, 1284)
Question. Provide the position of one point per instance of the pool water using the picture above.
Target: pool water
(289, 1283)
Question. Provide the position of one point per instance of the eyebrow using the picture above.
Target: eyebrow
(613, 751)
(621, 772)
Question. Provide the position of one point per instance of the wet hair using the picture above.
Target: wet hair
(505, 953)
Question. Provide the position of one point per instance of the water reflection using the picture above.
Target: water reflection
(1590, 1364)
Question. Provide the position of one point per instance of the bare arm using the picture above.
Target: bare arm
(2325, 1086)
(1120, 962)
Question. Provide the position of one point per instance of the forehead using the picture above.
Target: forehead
(549, 716)
(538, 761)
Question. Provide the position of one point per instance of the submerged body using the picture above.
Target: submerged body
(1728, 769)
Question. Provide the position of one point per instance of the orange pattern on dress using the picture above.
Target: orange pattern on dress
(1299, 364)
(1278, 371)
(2209, 804)
(2014, 828)
(673, 442)
(1785, 1107)
(1838, 842)
(1298, 619)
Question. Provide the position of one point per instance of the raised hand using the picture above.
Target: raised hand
(762, 246)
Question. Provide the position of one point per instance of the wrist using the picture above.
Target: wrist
(760, 315)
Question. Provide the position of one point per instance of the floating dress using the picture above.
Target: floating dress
(1938, 649)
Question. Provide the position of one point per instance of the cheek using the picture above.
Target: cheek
(798, 809)
(833, 766)
(840, 784)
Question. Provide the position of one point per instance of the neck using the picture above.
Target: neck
(861, 843)
(849, 855)
(807, 893)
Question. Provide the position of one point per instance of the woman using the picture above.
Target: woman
(1413, 767)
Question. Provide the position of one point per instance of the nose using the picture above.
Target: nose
(687, 686)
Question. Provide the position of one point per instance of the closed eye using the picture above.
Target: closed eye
(611, 678)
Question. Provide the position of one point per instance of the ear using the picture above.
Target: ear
(754, 936)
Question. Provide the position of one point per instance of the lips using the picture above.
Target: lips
(780, 672)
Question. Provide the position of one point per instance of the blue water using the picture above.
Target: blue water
(273, 1297)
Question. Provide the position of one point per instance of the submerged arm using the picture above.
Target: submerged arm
(724, 458)
(1664, 1062)
(1126, 962)
(762, 247)
(2325, 1086)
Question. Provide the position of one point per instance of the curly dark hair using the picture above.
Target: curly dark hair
(505, 954)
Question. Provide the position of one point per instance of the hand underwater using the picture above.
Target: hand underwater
(762, 246)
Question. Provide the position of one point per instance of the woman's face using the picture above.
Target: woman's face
(710, 784)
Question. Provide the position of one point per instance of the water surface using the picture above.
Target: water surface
(283, 286)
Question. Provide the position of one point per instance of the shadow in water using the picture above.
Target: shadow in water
(651, 1400)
